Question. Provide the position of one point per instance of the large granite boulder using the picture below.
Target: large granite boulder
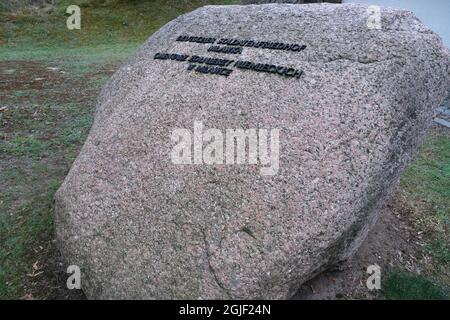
(348, 103)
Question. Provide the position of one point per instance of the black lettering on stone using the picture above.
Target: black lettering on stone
(196, 39)
(171, 56)
(273, 45)
(210, 61)
(210, 65)
(226, 49)
(269, 68)
(214, 70)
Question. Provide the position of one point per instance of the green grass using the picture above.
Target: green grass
(426, 183)
(28, 186)
(110, 30)
(24, 146)
(400, 285)
(111, 23)
(40, 142)
(429, 174)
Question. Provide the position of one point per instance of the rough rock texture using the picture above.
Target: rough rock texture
(289, 1)
(140, 226)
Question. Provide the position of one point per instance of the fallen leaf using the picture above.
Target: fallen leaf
(28, 296)
(33, 275)
(36, 265)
